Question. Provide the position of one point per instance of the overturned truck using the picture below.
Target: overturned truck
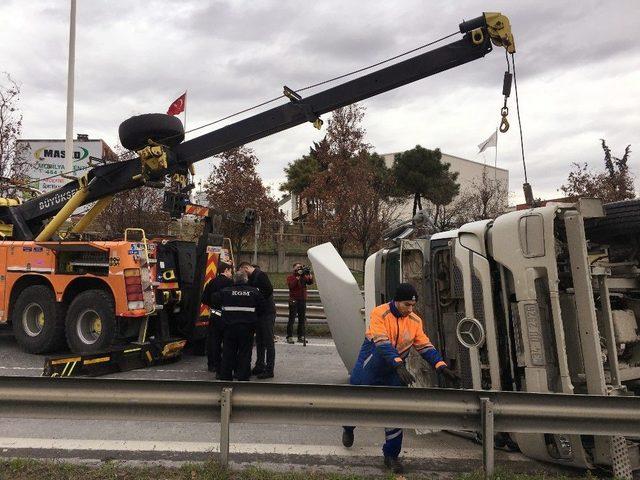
(539, 300)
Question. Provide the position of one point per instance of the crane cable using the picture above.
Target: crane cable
(515, 85)
(324, 82)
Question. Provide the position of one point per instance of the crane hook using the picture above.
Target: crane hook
(504, 124)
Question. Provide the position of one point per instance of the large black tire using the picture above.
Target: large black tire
(37, 320)
(621, 221)
(135, 132)
(91, 322)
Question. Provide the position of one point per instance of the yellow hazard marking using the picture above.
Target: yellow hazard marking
(91, 361)
(173, 348)
(65, 360)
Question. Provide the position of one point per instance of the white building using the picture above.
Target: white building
(285, 205)
(468, 172)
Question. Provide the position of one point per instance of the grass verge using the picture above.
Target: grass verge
(28, 469)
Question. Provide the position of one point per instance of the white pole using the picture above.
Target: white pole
(68, 146)
(495, 160)
(185, 110)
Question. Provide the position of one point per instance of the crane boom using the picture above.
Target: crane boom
(29, 218)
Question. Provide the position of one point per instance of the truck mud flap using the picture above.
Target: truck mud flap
(129, 357)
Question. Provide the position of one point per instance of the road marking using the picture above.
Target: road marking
(79, 445)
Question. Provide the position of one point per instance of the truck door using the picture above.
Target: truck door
(341, 299)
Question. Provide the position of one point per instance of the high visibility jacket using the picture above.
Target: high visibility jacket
(387, 343)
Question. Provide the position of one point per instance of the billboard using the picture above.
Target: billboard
(47, 158)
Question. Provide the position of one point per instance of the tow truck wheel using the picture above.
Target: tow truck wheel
(37, 321)
(135, 132)
(91, 322)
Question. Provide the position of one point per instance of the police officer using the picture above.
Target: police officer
(241, 307)
(393, 330)
(265, 348)
(216, 326)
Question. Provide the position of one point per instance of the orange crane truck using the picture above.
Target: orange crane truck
(92, 295)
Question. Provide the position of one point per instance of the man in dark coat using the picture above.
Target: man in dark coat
(265, 348)
(241, 306)
(216, 326)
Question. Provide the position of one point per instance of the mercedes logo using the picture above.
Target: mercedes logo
(470, 332)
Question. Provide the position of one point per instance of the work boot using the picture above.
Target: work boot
(257, 370)
(290, 340)
(265, 374)
(347, 437)
(300, 339)
(393, 464)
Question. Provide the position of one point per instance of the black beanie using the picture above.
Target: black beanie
(405, 291)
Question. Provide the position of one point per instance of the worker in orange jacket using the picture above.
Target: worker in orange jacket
(393, 330)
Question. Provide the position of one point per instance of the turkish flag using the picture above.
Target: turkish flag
(178, 105)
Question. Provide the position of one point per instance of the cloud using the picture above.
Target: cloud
(577, 67)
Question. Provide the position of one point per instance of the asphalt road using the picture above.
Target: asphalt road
(280, 447)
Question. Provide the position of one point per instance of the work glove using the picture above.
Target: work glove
(450, 375)
(403, 373)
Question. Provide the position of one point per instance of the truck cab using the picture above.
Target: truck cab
(544, 299)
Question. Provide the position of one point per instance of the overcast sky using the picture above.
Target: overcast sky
(578, 66)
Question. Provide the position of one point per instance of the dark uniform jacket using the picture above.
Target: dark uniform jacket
(240, 304)
(215, 285)
(260, 280)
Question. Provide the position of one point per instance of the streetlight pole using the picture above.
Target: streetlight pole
(68, 146)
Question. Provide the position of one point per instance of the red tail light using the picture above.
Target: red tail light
(133, 287)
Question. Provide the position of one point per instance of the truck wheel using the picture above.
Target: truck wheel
(91, 322)
(38, 324)
(136, 131)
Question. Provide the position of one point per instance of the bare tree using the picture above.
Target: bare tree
(14, 165)
(484, 198)
(233, 186)
(612, 184)
(137, 208)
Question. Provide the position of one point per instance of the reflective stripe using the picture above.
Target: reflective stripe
(239, 309)
(391, 436)
(367, 360)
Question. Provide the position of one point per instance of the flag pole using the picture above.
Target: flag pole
(185, 110)
(495, 160)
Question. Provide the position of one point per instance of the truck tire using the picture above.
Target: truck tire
(136, 131)
(91, 322)
(37, 320)
(621, 220)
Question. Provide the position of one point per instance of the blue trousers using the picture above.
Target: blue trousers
(392, 441)
(374, 370)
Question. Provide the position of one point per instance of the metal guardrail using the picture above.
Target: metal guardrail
(315, 310)
(309, 404)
